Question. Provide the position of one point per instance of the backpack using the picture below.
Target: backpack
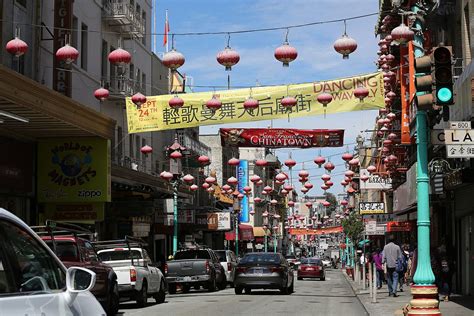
(401, 265)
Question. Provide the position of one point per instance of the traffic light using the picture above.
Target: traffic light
(423, 83)
(443, 74)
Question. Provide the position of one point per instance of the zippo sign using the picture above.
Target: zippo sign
(375, 182)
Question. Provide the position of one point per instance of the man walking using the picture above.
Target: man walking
(391, 254)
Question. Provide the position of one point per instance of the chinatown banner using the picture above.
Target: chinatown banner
(318, 231)
(156, 115)
(279, 137)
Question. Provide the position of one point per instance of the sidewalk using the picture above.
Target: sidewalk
(386, 305)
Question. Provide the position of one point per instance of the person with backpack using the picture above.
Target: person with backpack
(391, 255)
(402, 267)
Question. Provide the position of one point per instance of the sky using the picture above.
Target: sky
(317, 60)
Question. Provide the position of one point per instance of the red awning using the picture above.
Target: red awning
(245, 233)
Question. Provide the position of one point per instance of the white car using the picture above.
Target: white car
(136, 276)
(326, 263)
(33, 281)
(228, 261)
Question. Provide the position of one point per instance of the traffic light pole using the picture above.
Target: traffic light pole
(424, 291)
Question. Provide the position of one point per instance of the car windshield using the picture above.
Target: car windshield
(192, 254)
(117, 255)
(65, 250)
(261, 259)
(311, 261)
(222, 256)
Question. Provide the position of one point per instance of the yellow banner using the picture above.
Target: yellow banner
(156, 115)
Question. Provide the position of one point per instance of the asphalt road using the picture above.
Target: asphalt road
(331, 297)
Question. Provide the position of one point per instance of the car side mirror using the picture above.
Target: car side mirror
(78, 280)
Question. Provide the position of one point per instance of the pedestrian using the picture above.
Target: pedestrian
(377, 258)
(445, 276)
(404, 267)
(391, 255)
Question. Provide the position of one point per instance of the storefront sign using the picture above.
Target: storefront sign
(404, 197)
(156, 114)
(141, 226)
(74, 170)
(184, 217)
(278, 138)
(62, 27)
(372, 228)
(213, 221)
(243, 177)
(375, 182)
(366, 208)
(404, 226)
(75, 213)
(320, 231)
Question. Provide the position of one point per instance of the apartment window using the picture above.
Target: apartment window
(143, 27)
(137, 147)
(104, 62)
(75, 26)
(143, 83)
(119, 144)
(130, 146)
(137, 79)
(84, 30)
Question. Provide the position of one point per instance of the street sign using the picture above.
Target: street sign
(460, 125)
(366, 208)
(370, 227)
(460, 151)
(452, 137)
(374, 182)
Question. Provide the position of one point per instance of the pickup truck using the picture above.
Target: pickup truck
(196, 267)
(137, 277)
(71, 245)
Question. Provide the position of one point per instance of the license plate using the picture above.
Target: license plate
(258, 271)
(310, 269)
(185, 279)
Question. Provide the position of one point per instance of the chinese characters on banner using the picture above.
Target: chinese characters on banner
(279, 137)
(156, 115)
(371, 208)
(319, 231)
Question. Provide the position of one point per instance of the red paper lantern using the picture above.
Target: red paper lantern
(251, 104)
(281, 177)
(226, 187)
(176, 102)
(173, 59)
(257, 200)
(349, 173)
(326, 204)
(344, 202)
(303, 173)
(361, 93)
(347, 156)
(188, 178)
(210, 180)
(288, 187)
(286, 54)
(176, 155)
(204, 160)
(254, 178)
(291, 203)
(324, 98)
(325, 177)
(329, 183)
(228, 58)
(364, 177)
(354, 162)
(146, 150)
(261, 163)
(290, 163)
(138, 99)
(391, 116)
(329, 166)
(402, 34)
(120, 57)
(16, 47)
(165, 175)
(233, 162)
(193, 187)
(319, 161)
(206, 185)
(345, 45)
(101, 94)
(324, 187)
(308, 185)
(268, 189)
(288, 102)
(309, 204)
(232, 181)
(214, 103)
(67, 53)
(247, 189)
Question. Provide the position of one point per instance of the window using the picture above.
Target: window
(25, 265)
(104, 61)
(261, 259)
(137, 147)
(74, 34)
(131, 75)
(117, 255)
(137, 80)
(192, 254)
(119, 145)
(144, 83)
(90, 252)
(65, 250)
(143, 27)
(84, 46)
(130, 145)
(21, 2)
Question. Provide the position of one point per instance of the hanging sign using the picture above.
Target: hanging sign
(156, 114)
(402, 226)
(279, 137)
(63, 10)
(243, 177)
(375, 182)
(371, 208)
(319, 231)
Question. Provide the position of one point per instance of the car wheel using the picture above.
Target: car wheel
(238, 290)
(172, 288)
(212, 285)
(113, 300)
(161, 295)
(248, 290)
(142, 295)
(223, 283)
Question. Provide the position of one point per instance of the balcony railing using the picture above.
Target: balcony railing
(121, 14)
(122, 86)
(192, 144)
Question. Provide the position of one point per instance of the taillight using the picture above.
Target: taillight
(241, 269)
(208, 268)
(133, 275)
(229, 266)
(276, 269)
(166, 268)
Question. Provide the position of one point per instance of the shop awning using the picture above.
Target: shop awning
(245, 233)
(260, 232)
(31, 111)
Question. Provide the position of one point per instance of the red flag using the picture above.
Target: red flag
(167, 29)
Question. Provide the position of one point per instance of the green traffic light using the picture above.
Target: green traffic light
(444, 95)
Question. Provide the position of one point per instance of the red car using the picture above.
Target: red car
(311, 268)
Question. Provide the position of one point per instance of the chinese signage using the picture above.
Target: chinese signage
(372, 228)
(404, 226)
(77, 213)
(62, 27)
(278, 138)
(319, 231)
(460, 151)
(156, 114)
(184, 217)
(243, 177)
(214, 221)
(371, 208)
(74, 170)
(375, 182)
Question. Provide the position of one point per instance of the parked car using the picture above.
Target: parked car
(311, 268)
(195, 267)
(73, 250)
(137, 277)
(264, 270)
(293, 260)
(326, 262)
(228, 261)
(33, 281)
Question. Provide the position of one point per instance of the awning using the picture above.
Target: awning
(245, 233)
(260, 232)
